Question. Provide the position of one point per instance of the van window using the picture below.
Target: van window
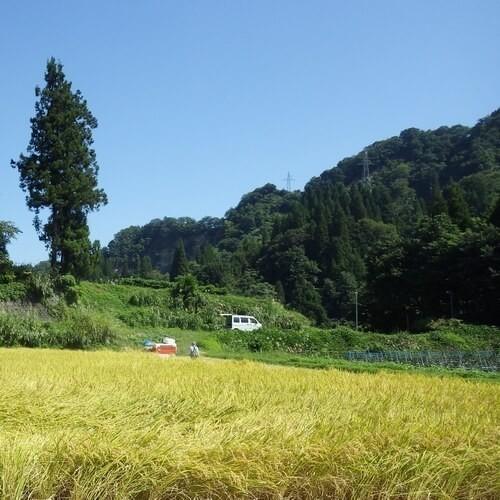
(253, 320)
(236, 319)
(244, 320)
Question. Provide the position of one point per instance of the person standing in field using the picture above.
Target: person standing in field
(194, 352)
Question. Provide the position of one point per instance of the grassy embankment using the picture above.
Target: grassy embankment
(99, 425)
(122, 316)
(289, 338)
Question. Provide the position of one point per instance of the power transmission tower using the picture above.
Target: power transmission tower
(289, 179)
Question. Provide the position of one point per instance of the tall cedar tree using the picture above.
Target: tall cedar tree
(60, 170)
(180, 265)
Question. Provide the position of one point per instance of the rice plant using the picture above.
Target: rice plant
(130, 425)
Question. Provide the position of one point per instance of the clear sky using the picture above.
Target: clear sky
(201, 101)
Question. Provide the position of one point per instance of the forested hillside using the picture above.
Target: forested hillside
(418, 238)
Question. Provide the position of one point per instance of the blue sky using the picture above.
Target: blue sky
(199, 102)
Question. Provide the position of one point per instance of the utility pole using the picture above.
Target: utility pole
(450, 293)
(356, 302)
(289, 179)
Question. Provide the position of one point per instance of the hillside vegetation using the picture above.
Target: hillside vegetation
(417, 239)
(123, 315)
(137, 308)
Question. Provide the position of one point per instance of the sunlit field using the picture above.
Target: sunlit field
(102, 425)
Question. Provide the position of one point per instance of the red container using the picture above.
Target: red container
(166, 349)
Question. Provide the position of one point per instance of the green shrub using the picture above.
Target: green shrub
(454, 334)
(347, 335)
(19, 330)
(40, 287)
(170, 318)
(13, 292)
(77, 330)
(210, 344)
(144, 282)
(66, 286)
(80, 329)
(265, 339)
(214, 290)
(71, 296)
(146, 299)
(309, 341)
(65, 282)
(448, 340)
(6, 275)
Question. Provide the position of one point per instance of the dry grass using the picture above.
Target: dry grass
(105, 425)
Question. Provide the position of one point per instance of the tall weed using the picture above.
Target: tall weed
(76, 329)
(80, 329)
(22, 330)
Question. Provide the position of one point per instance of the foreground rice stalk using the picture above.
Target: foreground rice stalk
(106, 425)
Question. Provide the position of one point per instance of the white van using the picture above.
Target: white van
(240, 322)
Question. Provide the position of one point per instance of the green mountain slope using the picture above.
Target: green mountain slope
(415, 240)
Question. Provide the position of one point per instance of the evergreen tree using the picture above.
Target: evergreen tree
(339, 295)
(180, 264)
(437, 203)
(106, 264)
(211, 267)
(185, 292)
(457, 206)
(137, 265)
(340, 249)
(382, 203)
(318, 243)
(146, 266)
(495, 215)
(94, 269)
(59, 173)
(280, 292)
(358, 209)
(373, 212)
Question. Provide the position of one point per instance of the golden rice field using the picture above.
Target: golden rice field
(109, 425)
